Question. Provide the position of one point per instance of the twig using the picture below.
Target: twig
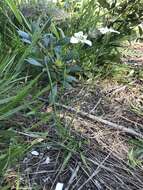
(92, 111)
(74, 174)
(94, 118)
(95, 172)
(110, 124)
(120, 88)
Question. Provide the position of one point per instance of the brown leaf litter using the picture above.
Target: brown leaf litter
(100, 163)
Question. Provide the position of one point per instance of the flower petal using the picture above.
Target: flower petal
(88, 42)
(78, 34)
(74, 40)
(114, 31)
(103, 30)
(106, 30)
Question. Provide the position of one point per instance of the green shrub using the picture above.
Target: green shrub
(122, 16)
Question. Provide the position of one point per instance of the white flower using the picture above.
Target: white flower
(74, 40)
(59, 186)
(141, 25)
(35, 153)
(80, 38)
(106, 30)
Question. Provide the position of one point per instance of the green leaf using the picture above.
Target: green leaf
(71, 79)
(84, 161)
(23, 34)
(53, 94)
(34, 62)
(67, 85)
(14, 9)
(65, 162)
(13, 106)
(74, 69)
(104, 4)
(54, 31)
(5, 100)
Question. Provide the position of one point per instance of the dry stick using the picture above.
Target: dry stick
(99, 119)
(95, 172)
(118, 89)
(97, 104)
(74, 174)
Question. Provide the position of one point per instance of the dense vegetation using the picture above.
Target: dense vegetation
(45, 50)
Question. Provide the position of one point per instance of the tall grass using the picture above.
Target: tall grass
(15, 88)
(20, 65)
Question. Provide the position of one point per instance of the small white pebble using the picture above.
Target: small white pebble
(47, 161)
(35, 153)
(59, 186)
